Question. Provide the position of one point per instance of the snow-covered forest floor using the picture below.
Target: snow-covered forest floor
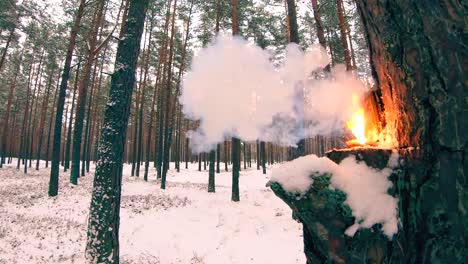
(182, 224)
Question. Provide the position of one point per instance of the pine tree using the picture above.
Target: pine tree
(211, 174)
(6, 118)
(103, 224)
(54, 173)
(93, 50)
(235, 141)
(168, 105)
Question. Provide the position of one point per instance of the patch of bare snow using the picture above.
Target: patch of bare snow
(182, 224)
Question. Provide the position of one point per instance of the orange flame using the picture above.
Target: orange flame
(357, 125)
(366, 131)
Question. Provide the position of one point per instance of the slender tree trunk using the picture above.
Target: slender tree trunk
(292, 22)
(69, 129)
(23, 143)
(24, 135)
(211, 174)
(245, 157)
(54, 174)
(178, 138)
(63, 139)
(226, 156)
(319, 27)
(351, 49)
(187, 143)
(343, 35)
(258, 155)
(161, 101)
(34, 105)
(51, 119)
(155, 93)
(135, 130)
(82, 94)
(104, 216)
(124, 18)
(12, 146)
(45, 105)
(88, 126)
(7, 45)
(294, 38)
(95, 122)
(168, 106)
(262, 156)
(218, 15)
(218, 157)
(204, 161)
(235, 169)
(319, 24)
(199, 161)
(142, 104)
(6, 118)
(235, 141)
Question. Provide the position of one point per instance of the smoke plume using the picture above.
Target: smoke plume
(234, 90)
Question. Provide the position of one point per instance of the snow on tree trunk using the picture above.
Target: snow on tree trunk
(416, 53)
(104, 216)
(417, 60)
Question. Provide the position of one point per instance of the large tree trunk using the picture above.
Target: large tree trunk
(104, 216)
(417, 57)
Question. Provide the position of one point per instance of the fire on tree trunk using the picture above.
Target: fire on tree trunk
(416, 54)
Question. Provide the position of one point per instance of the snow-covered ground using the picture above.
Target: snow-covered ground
(182, 224)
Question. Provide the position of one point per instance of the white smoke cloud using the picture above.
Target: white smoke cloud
(234, 90)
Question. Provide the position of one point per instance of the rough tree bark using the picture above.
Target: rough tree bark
(104, 216)
(417, 57)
